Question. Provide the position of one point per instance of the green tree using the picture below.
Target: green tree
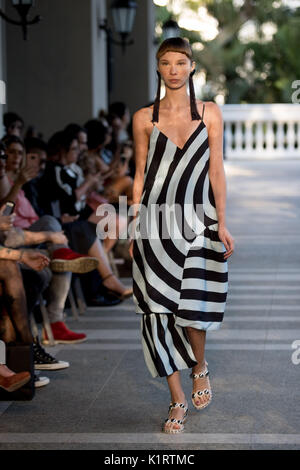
(257, 70)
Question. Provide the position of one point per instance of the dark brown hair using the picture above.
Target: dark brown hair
(176, 44)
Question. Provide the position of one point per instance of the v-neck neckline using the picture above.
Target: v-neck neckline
(186, 142)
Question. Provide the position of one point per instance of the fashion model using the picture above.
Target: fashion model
(180, 281)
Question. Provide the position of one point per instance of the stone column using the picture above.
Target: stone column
(2, 71)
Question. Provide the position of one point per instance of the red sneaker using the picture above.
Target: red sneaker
(63, 335)
(65, 259)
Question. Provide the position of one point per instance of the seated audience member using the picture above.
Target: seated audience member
(71, 189)
(119, 118)
(13, 124)
(53, 147)
(9, 380)
(116, 181)
(82, 237)
(14, 321)
(64, 261)
(81, 135)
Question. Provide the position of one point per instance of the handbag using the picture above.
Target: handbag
(19, 358)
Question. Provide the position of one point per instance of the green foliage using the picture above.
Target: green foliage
(258, 71)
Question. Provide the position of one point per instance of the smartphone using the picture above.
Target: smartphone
(9, 208)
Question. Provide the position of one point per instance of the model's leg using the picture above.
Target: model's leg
(197, 339)
(177, 395)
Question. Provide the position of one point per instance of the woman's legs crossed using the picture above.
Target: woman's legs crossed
(13, 284)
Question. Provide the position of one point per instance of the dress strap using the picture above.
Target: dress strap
(203, 111)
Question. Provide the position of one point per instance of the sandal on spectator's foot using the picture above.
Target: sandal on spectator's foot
(204, 392)
(127, 293)
(171, 429)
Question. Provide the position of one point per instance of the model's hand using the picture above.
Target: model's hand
(228, 241)
(35, 260)
(58, 238)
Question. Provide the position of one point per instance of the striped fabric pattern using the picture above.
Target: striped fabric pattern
(178, 272)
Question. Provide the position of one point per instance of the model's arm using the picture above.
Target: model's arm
(141, 142)
(216, 166)
(216, 171)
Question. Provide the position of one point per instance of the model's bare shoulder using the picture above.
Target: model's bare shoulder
(212, 115)
(141, 121)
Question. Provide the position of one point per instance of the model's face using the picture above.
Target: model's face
(175, 68)
(15, 155)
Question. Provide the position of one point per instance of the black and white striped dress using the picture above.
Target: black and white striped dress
(180, 277)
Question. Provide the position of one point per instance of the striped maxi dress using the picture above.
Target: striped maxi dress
(180, 277)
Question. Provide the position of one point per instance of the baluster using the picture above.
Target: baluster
(297, 150)
(248, 138)
(270, 139)
(228, 139)
(280, 138)
(259, 138)
(238, 139)
(290, 136)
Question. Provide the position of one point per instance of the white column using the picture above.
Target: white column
(99, 64)
(2, 72)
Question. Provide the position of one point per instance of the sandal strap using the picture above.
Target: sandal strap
(201, 375)
(109, 275)
(173, 420)
(178, 405)
(206, 391)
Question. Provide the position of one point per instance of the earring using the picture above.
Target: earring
(194, 111)
(157, 99)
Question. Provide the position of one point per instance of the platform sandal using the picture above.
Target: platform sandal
(206, 391)
(172, 430)
(108, 290)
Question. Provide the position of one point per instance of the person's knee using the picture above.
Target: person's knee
(50, 223)
(9, 268)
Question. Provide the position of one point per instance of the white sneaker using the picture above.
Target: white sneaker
(40, 381)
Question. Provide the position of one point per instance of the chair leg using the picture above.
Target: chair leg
(79, 296)
(33, 325)
(46, 322)
(73, 304)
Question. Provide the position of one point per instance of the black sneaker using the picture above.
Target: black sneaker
(44, 361)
